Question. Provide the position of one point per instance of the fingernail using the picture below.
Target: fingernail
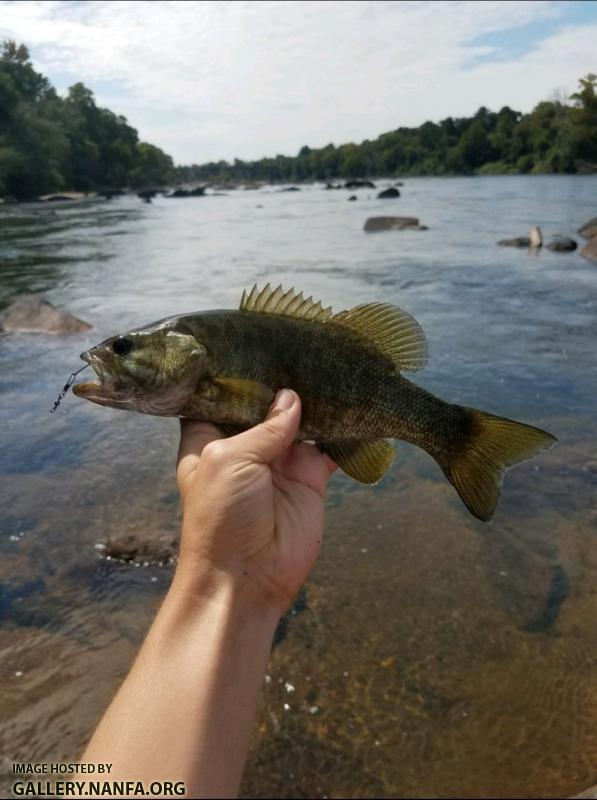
(284, 400)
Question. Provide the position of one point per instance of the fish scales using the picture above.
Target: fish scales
(349, 389)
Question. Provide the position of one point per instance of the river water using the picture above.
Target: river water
(429, 655)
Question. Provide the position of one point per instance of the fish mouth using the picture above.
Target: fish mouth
(100, 390)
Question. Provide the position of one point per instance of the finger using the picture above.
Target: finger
(271, 438)
(194, 436)
(307, 464)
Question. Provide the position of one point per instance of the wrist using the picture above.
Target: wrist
(198, 585)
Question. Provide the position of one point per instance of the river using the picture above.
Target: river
(429, 655)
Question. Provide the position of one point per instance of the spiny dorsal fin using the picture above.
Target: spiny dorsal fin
(366, 462)
(398, 335)
(288, 304)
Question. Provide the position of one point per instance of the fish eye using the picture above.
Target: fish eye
(122, 346)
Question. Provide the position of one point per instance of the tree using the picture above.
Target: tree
(49, 143)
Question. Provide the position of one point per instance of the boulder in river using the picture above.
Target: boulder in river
(33, 314)
(198, 191)
(333, 186)
(518, 241)
(535, 237)
(108, 194)
(388, 193)
(359, 183)
(378, 224)
(589, 229)
(562, 244)
(590, 249)
(65, 196)
(147, 195)
(353, 197)
(290, 189)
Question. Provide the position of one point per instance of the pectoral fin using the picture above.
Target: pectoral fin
(250, 398)
(366, 462)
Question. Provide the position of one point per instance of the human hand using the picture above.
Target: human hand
(253, 505)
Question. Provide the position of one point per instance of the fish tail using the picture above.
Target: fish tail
(492, 445)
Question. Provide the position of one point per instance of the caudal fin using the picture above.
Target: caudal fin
(494, 444)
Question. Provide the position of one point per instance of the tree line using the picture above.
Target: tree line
(556, 137)
(49, 143)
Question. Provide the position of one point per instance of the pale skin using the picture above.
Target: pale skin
(253, 511)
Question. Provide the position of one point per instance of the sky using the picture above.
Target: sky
(245, 79)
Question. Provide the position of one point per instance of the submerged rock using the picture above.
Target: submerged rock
(377, 224)
(33, 314)
(290, 189)
(388, 193)
(589, 251)
(333, 186)
(589, 229)
(518, 241)
(132, 547)
(562, 244)
(353, 197)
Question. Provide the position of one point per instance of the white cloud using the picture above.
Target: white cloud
(208, 80)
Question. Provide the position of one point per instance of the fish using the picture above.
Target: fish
(225, 367)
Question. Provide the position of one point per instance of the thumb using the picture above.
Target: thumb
(269, 439)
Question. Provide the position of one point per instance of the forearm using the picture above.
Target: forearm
(187, 708)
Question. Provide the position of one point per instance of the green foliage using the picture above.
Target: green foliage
(554, 137)
(49, 143)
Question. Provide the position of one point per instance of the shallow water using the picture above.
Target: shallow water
(431, 655)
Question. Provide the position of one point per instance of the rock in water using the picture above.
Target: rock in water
(562, 244)
(388, 193)
(198, 191)
(535, 237)
(518, 241)
(32, 314)
(590, 249)
(353, 197)
(377, 224)
(359, 183)
(589, 229)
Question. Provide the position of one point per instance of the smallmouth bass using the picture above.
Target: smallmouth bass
(226, 366)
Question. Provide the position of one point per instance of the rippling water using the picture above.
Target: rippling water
(431, 655)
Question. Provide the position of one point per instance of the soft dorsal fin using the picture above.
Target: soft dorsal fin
(392, 330)
(289, 304)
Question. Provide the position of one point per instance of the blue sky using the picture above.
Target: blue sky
(247, 78)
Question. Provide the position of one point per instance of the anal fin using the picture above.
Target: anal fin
(366, 462)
